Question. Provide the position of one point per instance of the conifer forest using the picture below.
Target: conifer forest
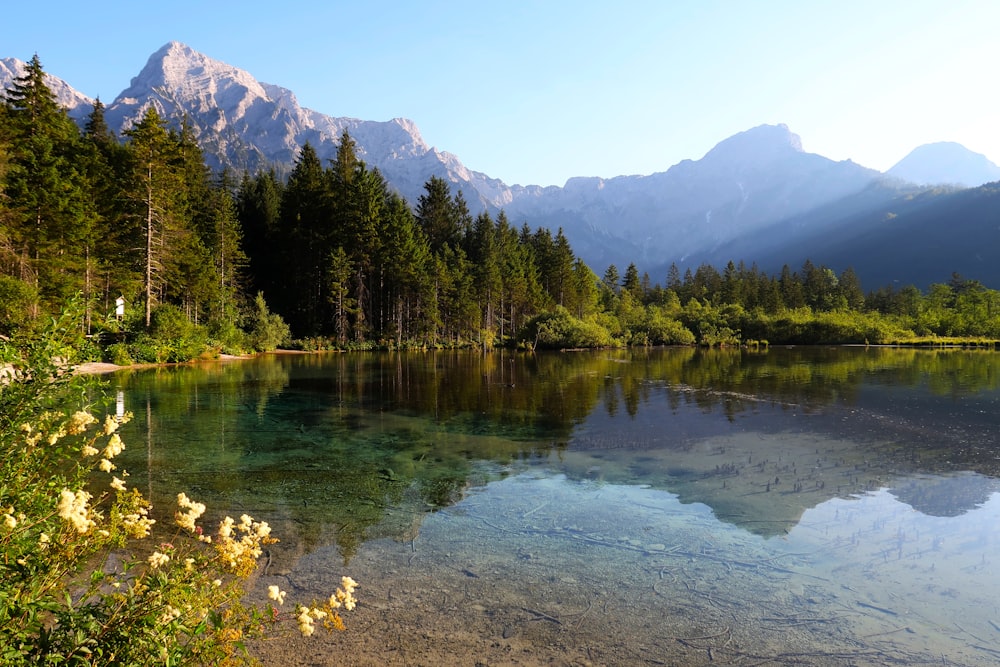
(331, 257)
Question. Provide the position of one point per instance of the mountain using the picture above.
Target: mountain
(890, 234)
(245, 124)
(918, 239)
(742, 186)
(756, 196)
(945, 163)
(77, 104)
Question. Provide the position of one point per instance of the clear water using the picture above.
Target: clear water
(795, 506)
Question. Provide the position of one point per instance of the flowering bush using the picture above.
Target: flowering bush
(83, 580)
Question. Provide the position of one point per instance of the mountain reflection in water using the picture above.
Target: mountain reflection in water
(852, 466)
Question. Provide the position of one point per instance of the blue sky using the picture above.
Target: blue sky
(537, 92)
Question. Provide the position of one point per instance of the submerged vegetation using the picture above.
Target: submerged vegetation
(173, 262)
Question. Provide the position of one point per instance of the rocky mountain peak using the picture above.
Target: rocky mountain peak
(78, 104)
(757, 145)
(177, 75)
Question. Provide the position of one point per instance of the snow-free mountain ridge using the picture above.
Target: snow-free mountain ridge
(945, 163)
(757, 185)
(78, 104)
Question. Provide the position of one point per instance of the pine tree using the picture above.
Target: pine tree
(339, 274)
(850, 289)
(632, 284)
(485, 256)
(101, 158)
(224, 241)
(368, 198)
(405, 263)
(51, 213)
(585, 291)
(258, 206)
(304, 230)
(790, 286)
(158, 191)
(439, 217)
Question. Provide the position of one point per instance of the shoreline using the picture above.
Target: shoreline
(103, 367)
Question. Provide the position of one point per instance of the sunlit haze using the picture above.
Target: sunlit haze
(537, 92)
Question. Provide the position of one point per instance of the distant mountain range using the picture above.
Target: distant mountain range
(945, 163)
(755, 197)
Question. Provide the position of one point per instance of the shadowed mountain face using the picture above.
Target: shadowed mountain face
(756, 196)
(744, 185)
(891, 235)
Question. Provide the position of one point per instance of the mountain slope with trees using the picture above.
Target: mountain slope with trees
(756, 187)
(202, 257)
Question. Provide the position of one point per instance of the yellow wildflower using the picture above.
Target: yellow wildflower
(138, 524)
(305, 622)
(194, 510)
(169, 614)
(115, 446)
(345, 596)
(73, 508)
(106, 465)
(110, 425)
(157, 559)
(89, 450)
(79, 422)
(117, 484)
(276, 594)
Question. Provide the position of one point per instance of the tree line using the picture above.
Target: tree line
(334, 256)
(333, 250)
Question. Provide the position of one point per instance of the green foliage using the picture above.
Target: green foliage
(557, 329)
(18, 300)
(83, 580)
(173, 335)
(228, 337)
(661, 329)
(267, 330)
(340, 256)
(118, 353)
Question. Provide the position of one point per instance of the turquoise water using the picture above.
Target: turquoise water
(794, 506)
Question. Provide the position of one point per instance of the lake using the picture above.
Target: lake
(821, 506)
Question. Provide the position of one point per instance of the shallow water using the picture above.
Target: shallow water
(799, 506)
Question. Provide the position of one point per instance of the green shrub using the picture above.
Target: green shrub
(663, 330)
(558, 329)
(18, 300)
(267, 330)
(82, 582)
(228, 337)
(118, 353)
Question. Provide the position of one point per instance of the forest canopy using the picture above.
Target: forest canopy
(333, 256)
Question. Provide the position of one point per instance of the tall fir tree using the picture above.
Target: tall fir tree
(159, 199)
(51, 216)
(439, 217)
(304, 231)
(258, 206)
